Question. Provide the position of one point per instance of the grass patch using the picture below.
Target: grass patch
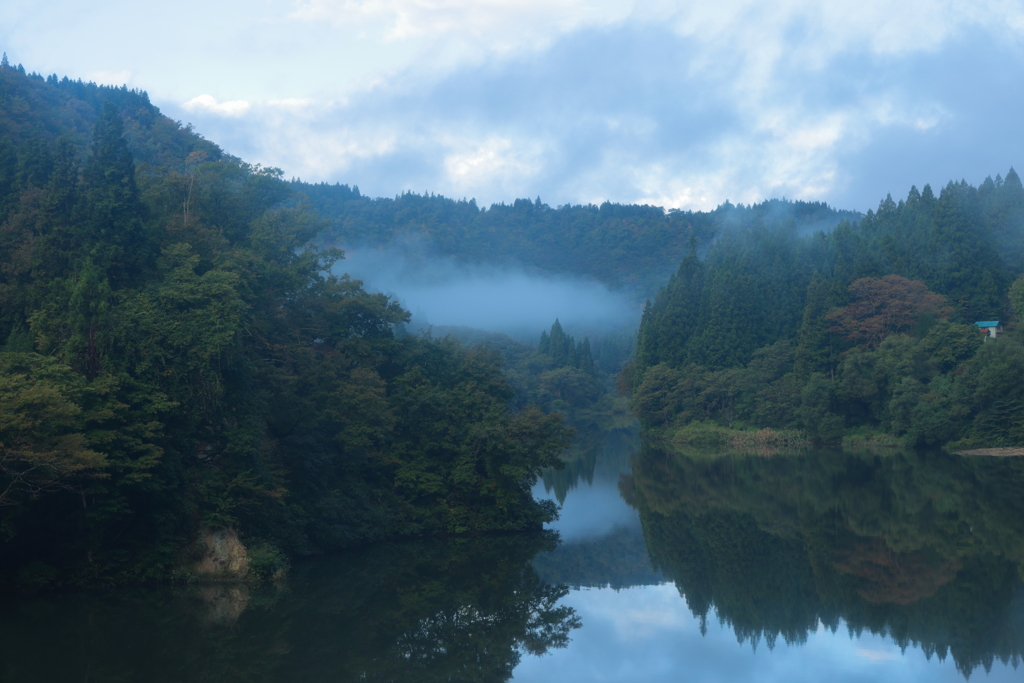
(871, 441)
(706, 436)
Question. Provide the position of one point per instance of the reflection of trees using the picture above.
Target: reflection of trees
(594, 451)
(441, 611)
(927, 548)
(617, 559)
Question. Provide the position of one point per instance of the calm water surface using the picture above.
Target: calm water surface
(671, 567)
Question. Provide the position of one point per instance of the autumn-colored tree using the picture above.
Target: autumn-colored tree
(884, 306)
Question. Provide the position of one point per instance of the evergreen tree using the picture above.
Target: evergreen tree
(969, 270)
(35, 163)
(669, 324)
(111, 208)
(732, 320)
(8, 176)
(62, 189)
(816, 350)
(585, 358)
(560, 346)
(89, 319)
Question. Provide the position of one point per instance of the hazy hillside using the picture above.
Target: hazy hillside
(635, 247)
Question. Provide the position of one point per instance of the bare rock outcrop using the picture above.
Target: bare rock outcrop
(224, 558)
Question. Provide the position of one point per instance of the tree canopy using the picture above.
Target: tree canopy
(867, 327)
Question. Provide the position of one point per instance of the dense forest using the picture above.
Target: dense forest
(869, 328)
(925, 548)
(176, 355)
(634, 247)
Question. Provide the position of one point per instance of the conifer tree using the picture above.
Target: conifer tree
(62, 189)
(815, 351)
(35, 163)
(969, 269)
(559, 345)
(113, 212)
(585, 358)
(669, 324)
(89, 320)
(8, 176)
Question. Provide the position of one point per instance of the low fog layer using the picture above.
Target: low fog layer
(439, 291)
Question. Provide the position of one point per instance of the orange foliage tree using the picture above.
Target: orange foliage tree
(884, 306)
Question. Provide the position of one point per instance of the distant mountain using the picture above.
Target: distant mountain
(636, 247)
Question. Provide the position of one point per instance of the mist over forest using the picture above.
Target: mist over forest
(441, 291)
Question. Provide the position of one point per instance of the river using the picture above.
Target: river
(664, 566)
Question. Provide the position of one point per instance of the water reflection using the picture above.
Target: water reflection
(617, 559)
(591, 473)
(602, 540)
(925, 549)
(903, 566)
(466, 609)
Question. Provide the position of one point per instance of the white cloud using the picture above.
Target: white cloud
(497, 25)
(496, 160)
(293, 103)
(208, 104)
(829, 26)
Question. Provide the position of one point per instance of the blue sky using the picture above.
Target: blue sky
(677, 104)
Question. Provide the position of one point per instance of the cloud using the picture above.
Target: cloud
(206, 103)
(682, 106)
(500, 25)
(474, 165)
(635, 113)
(678, 104)
(293, 103)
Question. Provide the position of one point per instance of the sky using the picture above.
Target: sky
(678, 104)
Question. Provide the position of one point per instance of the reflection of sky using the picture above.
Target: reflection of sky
(648, 634)
(590, 511)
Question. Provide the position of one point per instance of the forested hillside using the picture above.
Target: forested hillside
(868, 327)
(628, 246)
(176, 356)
